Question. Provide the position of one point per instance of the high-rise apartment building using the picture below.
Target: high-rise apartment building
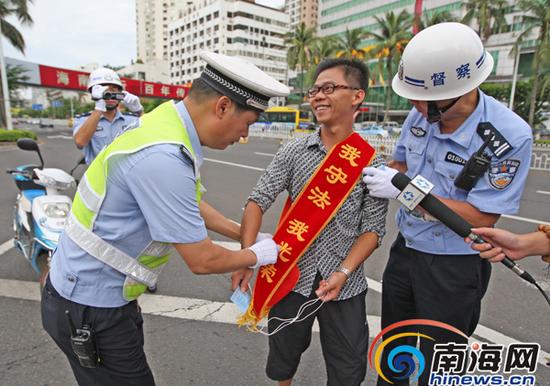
(152, 18)
(231, 27)
(302, 11)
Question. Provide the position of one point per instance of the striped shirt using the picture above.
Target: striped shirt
(290, 170)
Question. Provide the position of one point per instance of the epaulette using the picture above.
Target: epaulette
(497, 144)
(83, 115)
(130, 113)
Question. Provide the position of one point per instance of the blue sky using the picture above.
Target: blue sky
(69, 33)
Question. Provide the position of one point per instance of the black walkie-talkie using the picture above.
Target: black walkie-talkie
(82, 343)
(475, 167)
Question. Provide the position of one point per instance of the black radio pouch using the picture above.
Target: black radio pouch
(83, 344)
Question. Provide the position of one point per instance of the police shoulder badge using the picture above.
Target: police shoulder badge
(418, 131)
(502, 173)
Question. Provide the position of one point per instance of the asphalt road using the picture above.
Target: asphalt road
(195, 352)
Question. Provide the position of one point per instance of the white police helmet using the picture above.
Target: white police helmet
(103, 76)
(444, 61)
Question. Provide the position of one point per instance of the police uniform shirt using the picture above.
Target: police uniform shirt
(105, 133)
(160, 205)
(440, 158)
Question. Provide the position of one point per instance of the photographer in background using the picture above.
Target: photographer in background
(96, 129)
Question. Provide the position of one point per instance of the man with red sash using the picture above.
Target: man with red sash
(312, 170)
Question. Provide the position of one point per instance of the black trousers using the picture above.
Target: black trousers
(118, 335)
(445, 288)
(344, 337)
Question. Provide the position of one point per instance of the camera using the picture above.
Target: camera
(109, 95)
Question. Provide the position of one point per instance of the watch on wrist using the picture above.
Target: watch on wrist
(344, 270)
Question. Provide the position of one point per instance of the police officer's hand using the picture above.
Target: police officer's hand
(329, 289)
(241, 278)
(97, 95)
(266, 252)
(132, 102)
(378, 181)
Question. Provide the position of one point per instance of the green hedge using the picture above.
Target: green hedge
(14, 135)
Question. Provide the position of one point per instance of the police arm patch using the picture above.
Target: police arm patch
(502, 173)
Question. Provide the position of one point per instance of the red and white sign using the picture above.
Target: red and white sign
(54, 77)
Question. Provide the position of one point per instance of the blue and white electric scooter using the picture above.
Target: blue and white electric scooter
(40, 210)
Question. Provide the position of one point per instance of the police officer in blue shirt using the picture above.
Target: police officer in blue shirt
(95, 130)
(431, 272)
(117, 238)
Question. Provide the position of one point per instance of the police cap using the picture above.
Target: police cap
(240, 80)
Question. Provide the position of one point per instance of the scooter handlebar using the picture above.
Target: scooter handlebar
(22, 172)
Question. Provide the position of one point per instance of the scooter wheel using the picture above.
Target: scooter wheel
(152, 290)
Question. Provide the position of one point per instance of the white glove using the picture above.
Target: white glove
(266, 252)
(100, 105)
(263, 236)
(378, 181)
(132, 102)
(98, 91)
(97, 95)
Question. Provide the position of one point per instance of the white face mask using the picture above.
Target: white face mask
(241, 299)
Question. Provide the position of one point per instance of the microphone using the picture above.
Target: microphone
(451, 219)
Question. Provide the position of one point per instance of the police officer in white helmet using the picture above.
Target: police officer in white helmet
(95, 130)
(477, 153)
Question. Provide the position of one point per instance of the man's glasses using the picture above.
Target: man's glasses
(328, 88)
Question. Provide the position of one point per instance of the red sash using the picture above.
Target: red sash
(300, 224)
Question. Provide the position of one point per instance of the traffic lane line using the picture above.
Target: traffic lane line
(6, 246)
(223, 312)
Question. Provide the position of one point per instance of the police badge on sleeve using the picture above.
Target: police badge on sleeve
(502, 173)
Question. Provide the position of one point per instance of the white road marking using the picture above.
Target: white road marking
(532, 221)
(543, 192)
(266, 154)
(219, 312)
(6, 246)
(7, 148)
(234, 164)
(59, 137)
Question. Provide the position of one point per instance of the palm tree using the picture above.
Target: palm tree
(432, 18)
(536, 16)
(389, 44)
(18, 9)
(299, 43)
(489, 15)
(348, 45)
(324, 47)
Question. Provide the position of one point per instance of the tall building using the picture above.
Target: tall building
(232, 27)
(152, 18)
(302, 11)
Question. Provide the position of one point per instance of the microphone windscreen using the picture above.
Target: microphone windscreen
(436, 208)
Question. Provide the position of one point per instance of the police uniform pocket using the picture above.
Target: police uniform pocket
(416, 146)
(448, 173)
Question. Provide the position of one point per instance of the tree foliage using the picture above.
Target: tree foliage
(501, 92)
(489, 16)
